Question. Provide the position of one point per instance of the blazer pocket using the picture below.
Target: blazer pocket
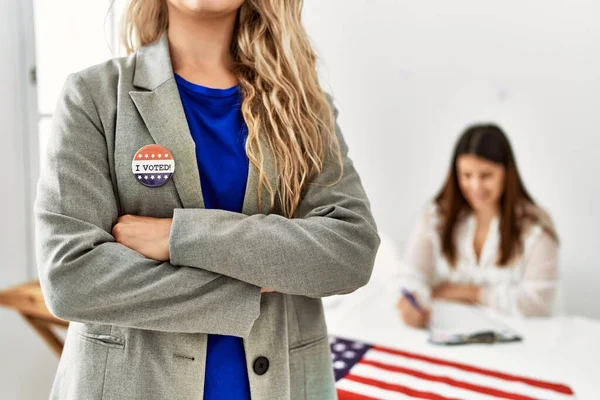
(102, 339)
(311, 372)
(307, 344)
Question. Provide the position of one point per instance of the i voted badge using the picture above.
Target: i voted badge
(153, 165)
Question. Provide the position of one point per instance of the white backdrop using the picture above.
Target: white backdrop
(409, 76)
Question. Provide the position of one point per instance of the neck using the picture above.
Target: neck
(199, 44)
(485, 215)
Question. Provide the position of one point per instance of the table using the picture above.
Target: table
(564, 349)
(27, 300)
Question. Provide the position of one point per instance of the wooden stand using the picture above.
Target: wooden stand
(27, 300)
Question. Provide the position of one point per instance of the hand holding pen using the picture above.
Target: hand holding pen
(413, 313)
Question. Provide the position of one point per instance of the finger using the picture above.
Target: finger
(400, 303)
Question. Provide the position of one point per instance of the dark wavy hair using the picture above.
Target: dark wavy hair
(489, 142)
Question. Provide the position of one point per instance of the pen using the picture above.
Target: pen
(411, 299)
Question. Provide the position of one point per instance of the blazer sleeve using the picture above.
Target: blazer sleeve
(85, 274)
(328, 248)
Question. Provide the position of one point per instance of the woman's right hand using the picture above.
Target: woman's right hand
(265, 290)
(413, 316)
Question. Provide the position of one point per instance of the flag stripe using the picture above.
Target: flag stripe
(449, 381)
(369, 391)
(346, 395)
(533, 382)
(415, 383)
(397, 388)
(490, 381)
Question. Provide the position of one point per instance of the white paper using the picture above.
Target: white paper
(449, 319)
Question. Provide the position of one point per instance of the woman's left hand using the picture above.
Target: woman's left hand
(146, 235)
(457, 292)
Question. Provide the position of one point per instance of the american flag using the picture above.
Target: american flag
(365, 371)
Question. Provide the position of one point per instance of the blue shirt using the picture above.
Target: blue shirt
(217, 126)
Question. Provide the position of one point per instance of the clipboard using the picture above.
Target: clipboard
(457, 324)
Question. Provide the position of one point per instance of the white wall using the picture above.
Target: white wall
(410, 75)
(24, 357)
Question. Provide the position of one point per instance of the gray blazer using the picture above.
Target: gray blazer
(140, 326)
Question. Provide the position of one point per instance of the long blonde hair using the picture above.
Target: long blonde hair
(283, 102)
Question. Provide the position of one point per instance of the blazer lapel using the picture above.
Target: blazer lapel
(160, 107)
(164, 117)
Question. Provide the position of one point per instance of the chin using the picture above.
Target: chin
(480, 205)
(211, 6)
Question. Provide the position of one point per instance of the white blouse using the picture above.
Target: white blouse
(525, 287)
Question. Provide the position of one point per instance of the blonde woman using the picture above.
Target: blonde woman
(196, 204)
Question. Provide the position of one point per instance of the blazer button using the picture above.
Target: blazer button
(261, 365)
